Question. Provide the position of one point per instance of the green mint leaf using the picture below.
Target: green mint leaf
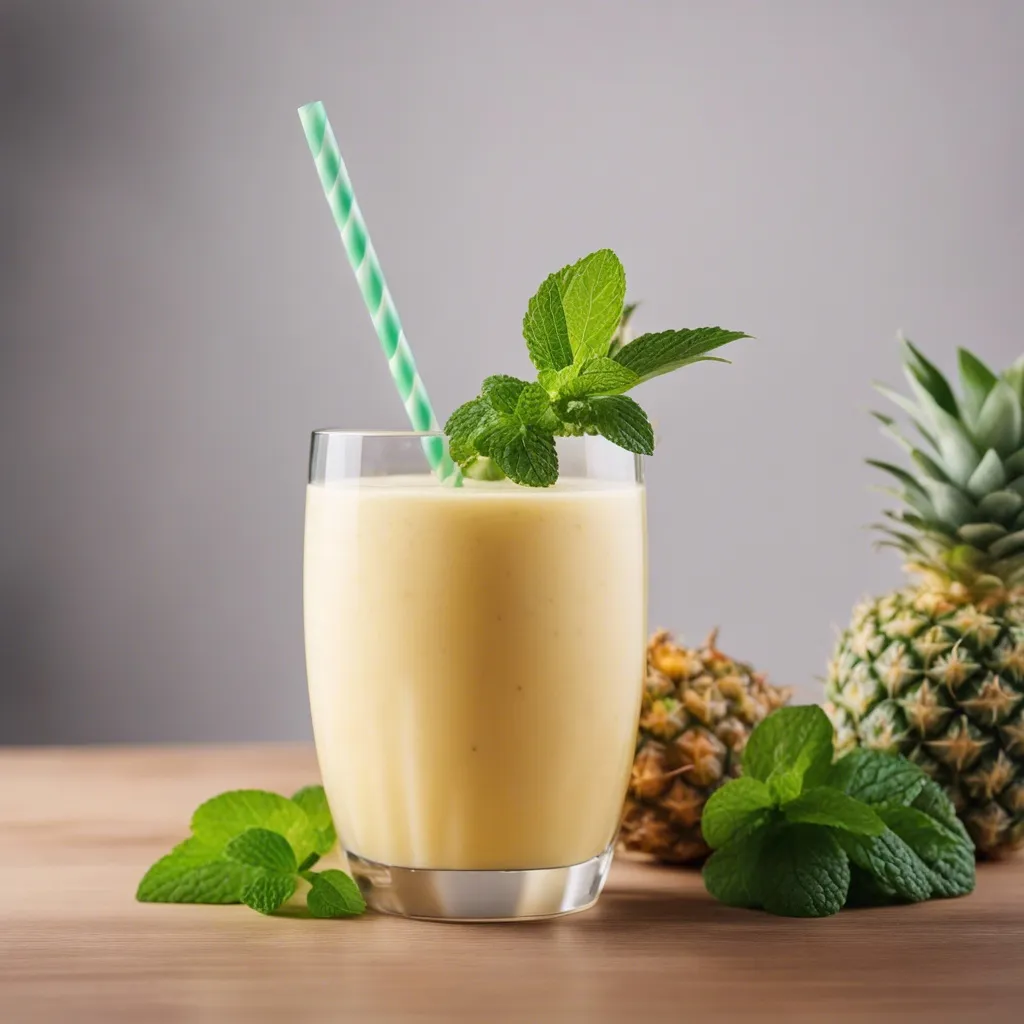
(503, 431)
(268, 892)
(599, 376)
(194, 872)
(261, 848)
(825, 806)
(526, 455)
(533, 405)
(948, 853)
(877, 778)
(593, 291)
(544, 328)
(623, 422)
(651, 355)
(468, 422)
(926, 850)
(731, 807)
(798, 738)
(890, 862)
(576, 413)
(462, 450)
(575, 321)
(936, 804)
(732, 873)
(219, 820)
(313, 800)
(785, 784)
(554, 381)
(803, 872)
(502, 392)
(469, 418)
(334, 894)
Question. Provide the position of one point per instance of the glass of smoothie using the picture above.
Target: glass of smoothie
(475, 660)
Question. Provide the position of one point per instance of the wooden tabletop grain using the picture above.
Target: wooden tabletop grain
(79, 827)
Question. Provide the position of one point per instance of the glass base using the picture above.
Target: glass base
(453, 895)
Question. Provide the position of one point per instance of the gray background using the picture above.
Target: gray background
(176, 313)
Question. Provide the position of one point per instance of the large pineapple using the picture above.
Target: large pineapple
(937, 671)
(699, 707)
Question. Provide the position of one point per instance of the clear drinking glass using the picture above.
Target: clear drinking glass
(475, 659)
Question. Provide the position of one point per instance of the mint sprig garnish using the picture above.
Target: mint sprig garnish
(251, 846)
(800, 836)
(575, 331)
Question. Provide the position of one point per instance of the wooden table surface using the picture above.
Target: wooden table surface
(79, 827)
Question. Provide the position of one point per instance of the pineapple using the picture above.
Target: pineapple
(699, 707)
(936, 671)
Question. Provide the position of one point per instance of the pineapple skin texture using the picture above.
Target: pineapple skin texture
(699, 708)
(935, 676)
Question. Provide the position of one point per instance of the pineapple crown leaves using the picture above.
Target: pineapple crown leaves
(964, 496)
(577, 334)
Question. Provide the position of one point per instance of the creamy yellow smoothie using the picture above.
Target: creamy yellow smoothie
(475, 662)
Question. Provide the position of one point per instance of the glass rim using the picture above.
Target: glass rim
(341, 432)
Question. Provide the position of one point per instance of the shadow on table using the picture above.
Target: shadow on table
(642, 909)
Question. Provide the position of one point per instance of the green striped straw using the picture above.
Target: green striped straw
(381, 307)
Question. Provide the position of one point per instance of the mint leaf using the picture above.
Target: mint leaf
(554, 381)
(499, 435)
(268, 892)
(785, 784)
(623, 422)
(468, 422)
(571, 327)
(890, 862)
(600, 376)
(244, 850)
(533, 405)
(194, 872)
(593, 292)
(261, 848)
(219, 820)
(470, 417)
(803, 872)
(825, 806)
(949, 859)
(525, 455)
(502, 392)
(544, 328)
(731, 807)
(877, 778)
(732, 873)
(462, 450)
(651, 355)
(925, 850)
(334, 894)
(313, 800)
(933, 801)
(797, 738)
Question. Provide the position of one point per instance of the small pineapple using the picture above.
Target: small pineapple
(936, 671)
(699, 707)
